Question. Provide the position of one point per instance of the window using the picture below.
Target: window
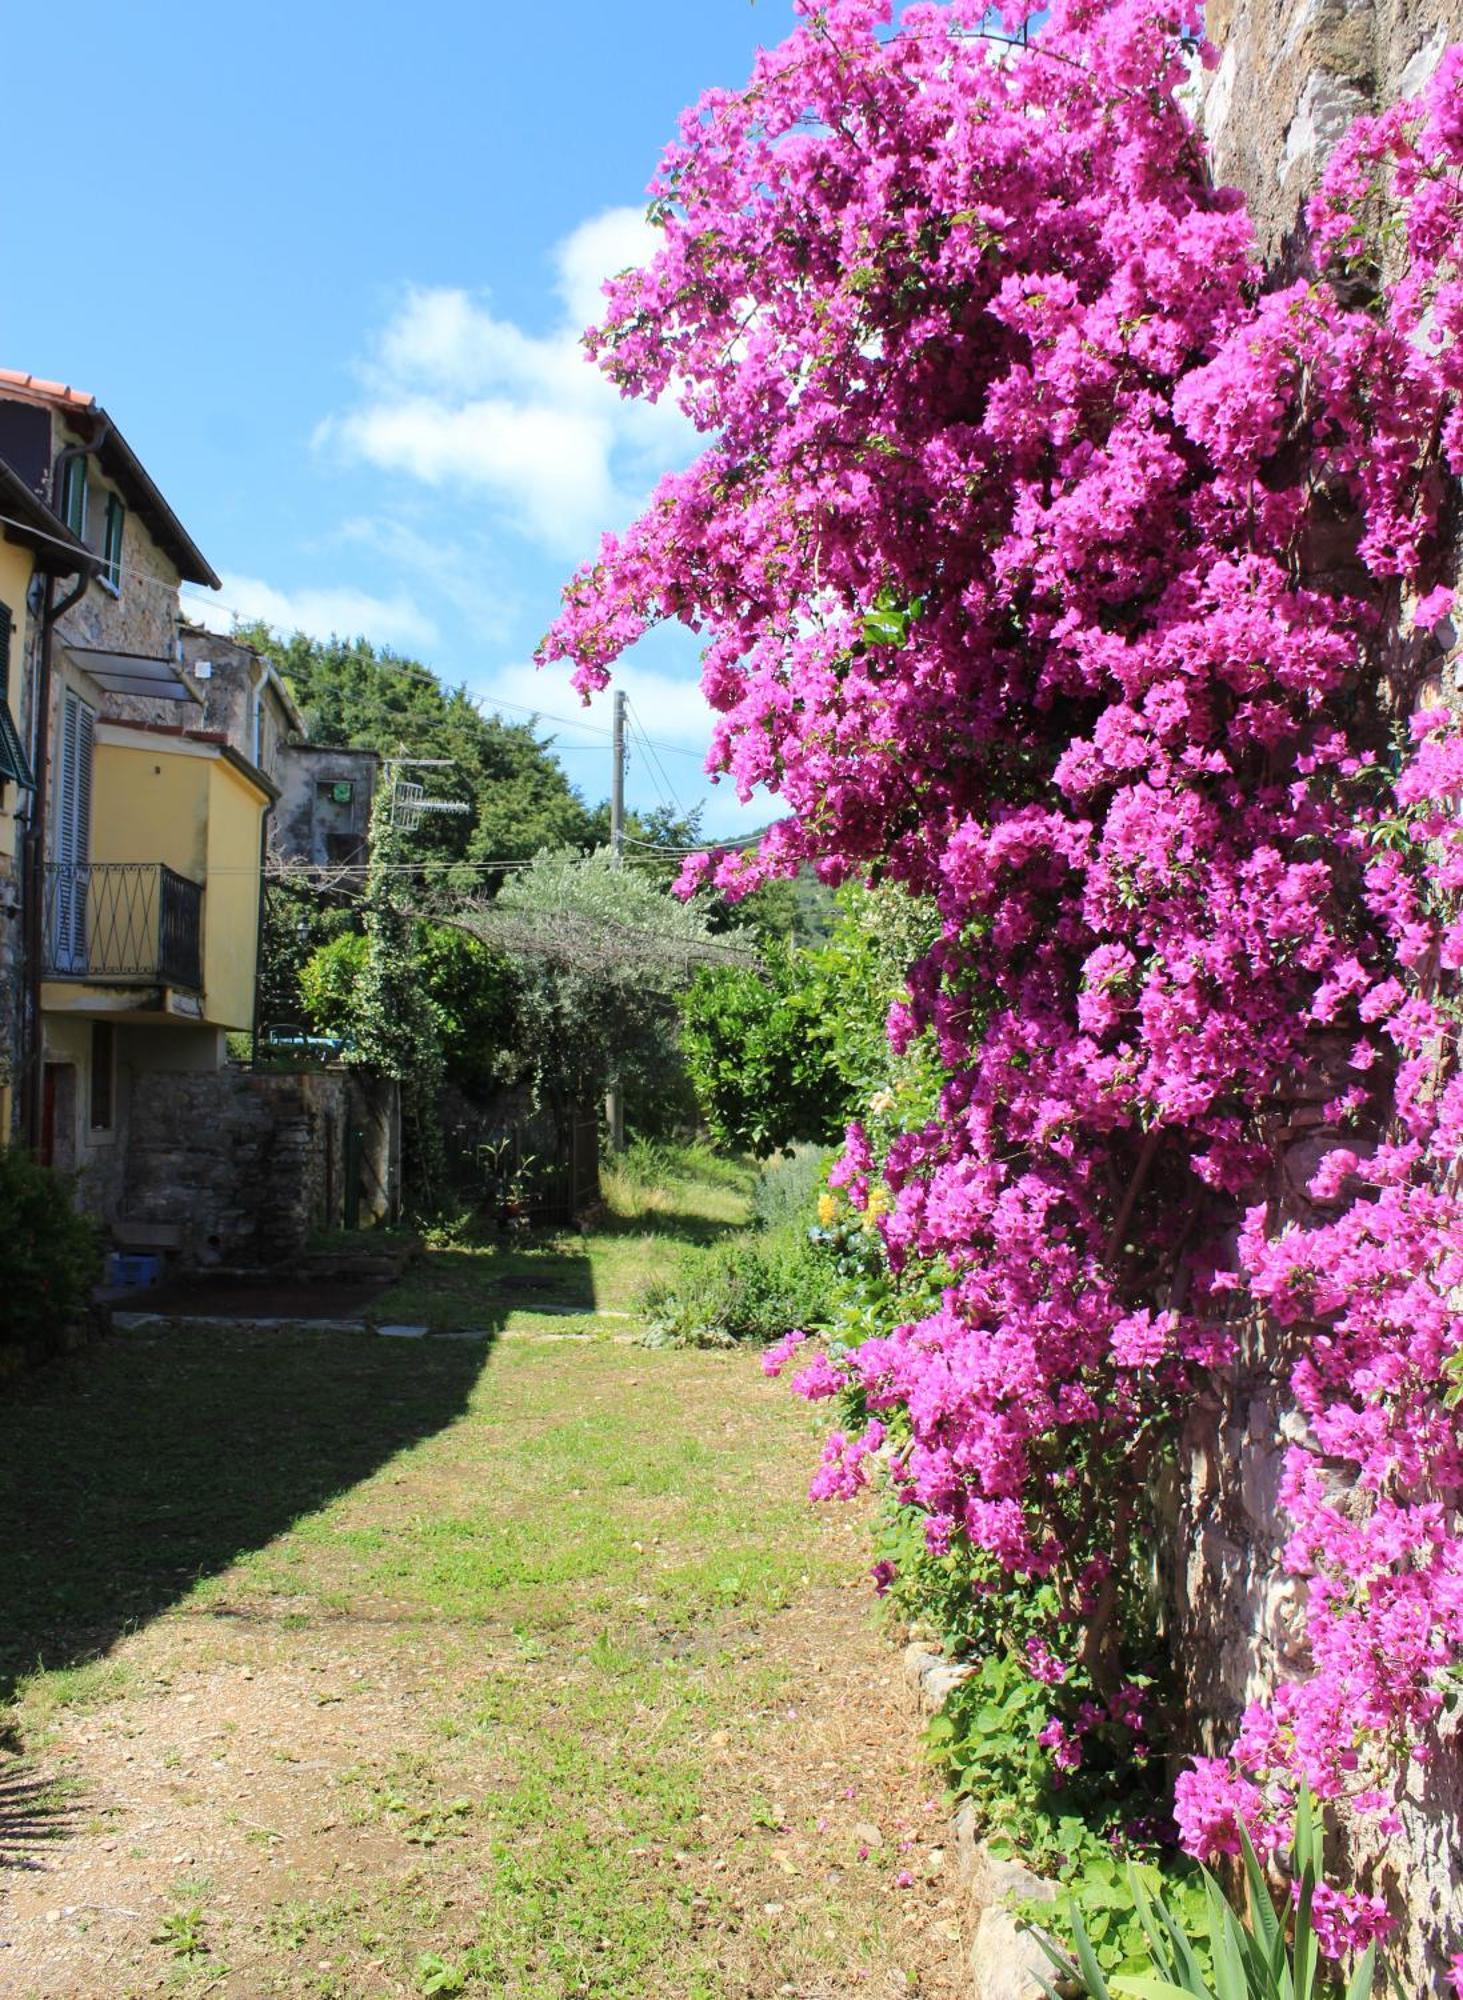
(103, 1074)
(112, 543)
(74, 497)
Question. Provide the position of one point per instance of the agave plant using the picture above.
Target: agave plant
(1261, 1958)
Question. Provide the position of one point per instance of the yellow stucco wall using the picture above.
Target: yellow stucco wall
(16, 565)
(185, 806)
(231, 906)
(151, 804)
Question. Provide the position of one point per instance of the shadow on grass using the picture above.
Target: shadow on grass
(479, 1283)
(153, 1459)
(681, 1225)
(31, 1816)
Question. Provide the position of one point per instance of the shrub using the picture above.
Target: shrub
(1260, 1956)
(764, 1280)
(52, 1254)
(750, 1288)
(786, 1192)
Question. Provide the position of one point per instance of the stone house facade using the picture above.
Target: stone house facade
(322, 817)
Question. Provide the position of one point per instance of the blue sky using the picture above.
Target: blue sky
(326, 267)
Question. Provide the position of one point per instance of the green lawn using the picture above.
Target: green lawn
(347, 1666)
(641, 1235)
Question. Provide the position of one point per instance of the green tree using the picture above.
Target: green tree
(789, 1051)
(473, 988)
(602, 953)
(760, 1063)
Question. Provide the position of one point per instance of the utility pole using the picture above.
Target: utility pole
(617, 783)
(614, 1096)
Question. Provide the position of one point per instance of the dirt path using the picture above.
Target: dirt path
(521, 1672)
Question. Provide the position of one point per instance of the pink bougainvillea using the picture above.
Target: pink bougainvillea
(1049, 564)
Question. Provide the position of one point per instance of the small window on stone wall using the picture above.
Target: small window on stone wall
(112, 544)
(103, 1074)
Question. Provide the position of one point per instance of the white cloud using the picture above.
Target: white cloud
(462, 573)
(598, 249)
(459, 398)
(319, 613)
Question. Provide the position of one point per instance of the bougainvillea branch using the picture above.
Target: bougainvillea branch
(1047, 563)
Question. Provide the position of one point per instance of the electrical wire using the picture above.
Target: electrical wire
(657, 782)
(669, 794)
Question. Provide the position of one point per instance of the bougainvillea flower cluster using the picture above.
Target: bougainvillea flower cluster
(1053, 563)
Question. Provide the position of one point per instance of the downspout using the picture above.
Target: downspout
(256, 757)
(35, 870)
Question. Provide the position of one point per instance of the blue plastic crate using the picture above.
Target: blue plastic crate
(133, 1270)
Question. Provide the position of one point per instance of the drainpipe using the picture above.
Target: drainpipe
(35, 855)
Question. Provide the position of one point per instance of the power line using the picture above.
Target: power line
(670, 794)
(594, 729)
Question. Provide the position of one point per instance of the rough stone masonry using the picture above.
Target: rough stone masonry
(1292, 76)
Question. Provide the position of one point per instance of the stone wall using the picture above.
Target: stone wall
(245, 1166)
(324, 813)
(1292, 76)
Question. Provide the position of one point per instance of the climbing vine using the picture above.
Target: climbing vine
(1056, 564)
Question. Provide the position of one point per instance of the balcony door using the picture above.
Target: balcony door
(71, 847)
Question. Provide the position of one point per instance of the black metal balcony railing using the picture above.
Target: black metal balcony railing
(123, 920)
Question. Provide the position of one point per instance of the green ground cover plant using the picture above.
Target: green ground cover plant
(758, 1283)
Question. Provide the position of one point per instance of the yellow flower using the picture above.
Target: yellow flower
(827, 1208)
(881, 1101)
(880, 1202)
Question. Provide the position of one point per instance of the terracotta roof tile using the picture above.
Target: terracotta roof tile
(120, 462)
(42, 391)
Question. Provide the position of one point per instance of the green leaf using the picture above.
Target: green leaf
(1097, 1986)
(1229, 1963)
(1262, 1908)
(1148, 1986)
(1360, 1985)
(1307, 1955)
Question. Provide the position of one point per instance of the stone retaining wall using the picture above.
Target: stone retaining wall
(247, 1165)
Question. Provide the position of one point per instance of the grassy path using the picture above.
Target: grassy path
(377, 1668)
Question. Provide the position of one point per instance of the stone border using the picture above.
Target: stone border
(1000, 1961)
(146, 1322)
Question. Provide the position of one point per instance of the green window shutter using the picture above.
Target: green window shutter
(5, 629)
(74, 497)
(112, 545)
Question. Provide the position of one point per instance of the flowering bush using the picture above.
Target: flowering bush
(1055, 569)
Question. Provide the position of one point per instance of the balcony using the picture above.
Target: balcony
(123, 922)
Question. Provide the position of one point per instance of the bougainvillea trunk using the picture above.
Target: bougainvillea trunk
(1049, 561)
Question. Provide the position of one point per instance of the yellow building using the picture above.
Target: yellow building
(147, 828)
